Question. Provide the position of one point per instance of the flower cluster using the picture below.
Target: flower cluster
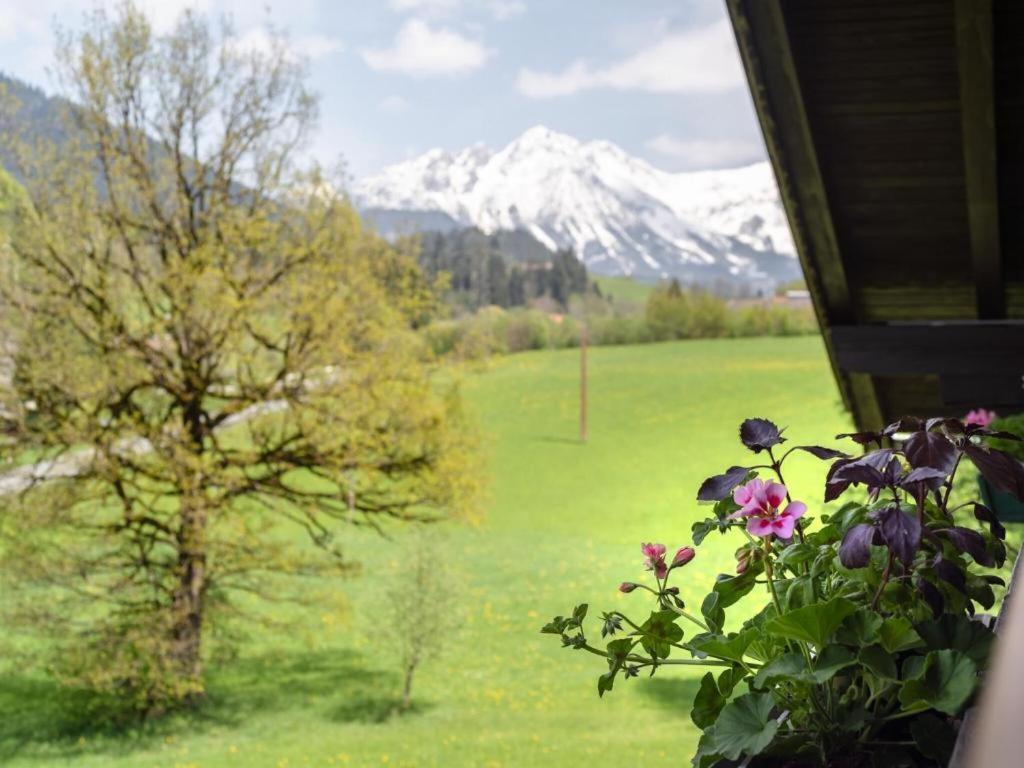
(759, 503)
(654, 558)
(980, 417)
(865, 636)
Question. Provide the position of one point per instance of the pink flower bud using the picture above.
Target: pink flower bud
(683, 556)
(980, 417)
(627, 587)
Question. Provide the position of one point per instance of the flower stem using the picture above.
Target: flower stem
(768, 574)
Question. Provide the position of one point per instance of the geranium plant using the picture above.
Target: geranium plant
(864, 647)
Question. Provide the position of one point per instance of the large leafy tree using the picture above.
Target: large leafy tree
(206, 348)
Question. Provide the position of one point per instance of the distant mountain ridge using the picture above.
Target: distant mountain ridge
(621, 215)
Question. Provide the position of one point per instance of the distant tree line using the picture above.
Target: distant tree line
(504, 269)
(670, 312)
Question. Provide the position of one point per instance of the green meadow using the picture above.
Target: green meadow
(624, 290)
(563, 523)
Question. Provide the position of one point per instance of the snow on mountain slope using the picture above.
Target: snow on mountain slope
(620, 214)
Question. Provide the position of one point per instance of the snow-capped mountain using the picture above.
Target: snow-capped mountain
(620, 214)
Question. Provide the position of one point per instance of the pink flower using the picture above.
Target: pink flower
(760, 501)
(654, 559)
(683, 556)
(980, 417)
(758, 497)
(627, 587)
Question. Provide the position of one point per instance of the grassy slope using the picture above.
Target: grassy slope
(564, 523)
(625, 290)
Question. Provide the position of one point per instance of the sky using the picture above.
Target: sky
(660, 78)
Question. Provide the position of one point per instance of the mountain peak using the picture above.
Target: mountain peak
(541, 140)
(619, 214)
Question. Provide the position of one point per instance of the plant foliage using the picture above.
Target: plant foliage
(865, 650)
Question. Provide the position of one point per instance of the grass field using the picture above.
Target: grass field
(624, 290)
(564, 523)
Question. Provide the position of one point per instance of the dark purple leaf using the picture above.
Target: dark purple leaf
(877, 459)
(760, 434)
(835, 488)
(930, 449)
(900, 532)
(999, 434)
(950, 573)
(922, 480)
(862, 438)
(822, 453)
(971, 542)
(1000, 469)
(837, 481)
(986, 515)
(856, 472)
(953, 426)
(718, 487)
(929, 475)
(905, 424)
(932, 596)
(893, 472)
(855, 551)
(930, 535)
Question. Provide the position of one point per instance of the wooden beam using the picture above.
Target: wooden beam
(914, 349)
(974, 53)
(763, 41)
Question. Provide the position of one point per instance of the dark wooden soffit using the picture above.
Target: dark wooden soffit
(775, 88)
(892, 238)
(975, 59)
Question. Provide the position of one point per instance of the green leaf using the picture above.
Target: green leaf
(705, 756)
(731, 648)
(958, 633)
(859, 628)
(912, 667)
(934, 736)
(659, 632)
(728, 678)
(897, 634)
(799, 592)
(946, 682)
(830, 661)
(713, 614)
(789, 665)
(744, 726)
(730, 589)
(700, 530)
(812, 623)
(797, 554)
(707, 703)
(793, 666)
(579, 613)
(606, 682)
(879, 661)
(619, 649)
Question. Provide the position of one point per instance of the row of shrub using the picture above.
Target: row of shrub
(493, 330)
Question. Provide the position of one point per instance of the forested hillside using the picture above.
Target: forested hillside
(505, 269)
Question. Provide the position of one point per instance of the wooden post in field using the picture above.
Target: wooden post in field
(583, 382)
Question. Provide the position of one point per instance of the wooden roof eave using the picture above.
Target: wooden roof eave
(763, 43)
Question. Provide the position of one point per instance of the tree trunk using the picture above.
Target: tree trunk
(410, 670)
(187, 603)
(583, 382)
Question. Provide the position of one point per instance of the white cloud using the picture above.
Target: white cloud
(394, 103)
(499, 9)
(422, 51)
(707, 153)
(259, 40)
(701, 60)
